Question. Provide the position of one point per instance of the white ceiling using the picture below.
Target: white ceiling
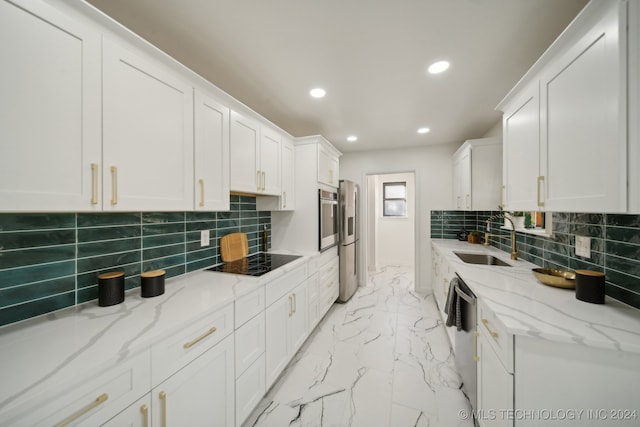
(370, 56)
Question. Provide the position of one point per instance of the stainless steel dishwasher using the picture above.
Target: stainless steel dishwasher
(466, 341)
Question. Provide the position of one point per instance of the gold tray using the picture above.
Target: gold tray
(555, 277)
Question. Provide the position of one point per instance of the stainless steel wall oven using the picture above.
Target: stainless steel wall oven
(328, 219)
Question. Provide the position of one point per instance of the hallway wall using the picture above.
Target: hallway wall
(433, 177)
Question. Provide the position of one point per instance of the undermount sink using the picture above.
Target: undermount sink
(481, 259)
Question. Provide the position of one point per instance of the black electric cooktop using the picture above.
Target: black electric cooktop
(255, 265)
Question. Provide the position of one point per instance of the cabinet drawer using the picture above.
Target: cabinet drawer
(250, 388)
(280, 286)
(329, 270)
(174, 352)
(91, 401)
(327, 256)
(248, 306)
(314, 288)
(249, 343)
(498, 338)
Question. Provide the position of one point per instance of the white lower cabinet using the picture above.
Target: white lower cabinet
(136, 415)
(250, 388)
(89, 402)
(495, 386)
(202, 393)
(526, 381)
(250, 365)
(286, 330)
(442, 274)
(314, 300)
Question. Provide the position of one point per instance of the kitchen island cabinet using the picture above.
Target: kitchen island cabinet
(50, 127)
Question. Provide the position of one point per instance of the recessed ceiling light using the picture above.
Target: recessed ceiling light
(438, 67)
(318, 92)
(423, 130)
(352, 138)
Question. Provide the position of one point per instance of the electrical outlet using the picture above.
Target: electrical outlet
(583, 246)
(204, 238)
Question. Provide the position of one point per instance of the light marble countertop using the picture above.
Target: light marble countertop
(527, 307)
(57, 348)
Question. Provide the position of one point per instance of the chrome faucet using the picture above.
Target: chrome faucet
(514, 249)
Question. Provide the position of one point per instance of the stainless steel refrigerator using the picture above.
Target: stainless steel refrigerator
(348, 238)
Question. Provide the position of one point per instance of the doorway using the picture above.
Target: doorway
(391, 221)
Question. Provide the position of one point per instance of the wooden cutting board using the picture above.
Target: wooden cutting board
(234, 246)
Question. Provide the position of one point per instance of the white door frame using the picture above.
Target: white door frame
(364, 239)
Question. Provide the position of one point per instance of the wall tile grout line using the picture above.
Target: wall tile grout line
(557, 250)
(106, 241)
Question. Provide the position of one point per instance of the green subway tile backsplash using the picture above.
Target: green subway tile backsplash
(615, 244)
(50, 261)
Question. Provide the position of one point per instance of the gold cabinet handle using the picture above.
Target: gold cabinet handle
(486, 323)
(258, 178)
(97, 402)
(114, 185)
(458, 202)
(468, 196)
(201, 182)
(295, 305)
(94, 183)
(200, 338)
(476, 334)
(284, 195)
(290, 305)
(540, 201)
(144, 410)
(502, 188)
(163, 409)
(264, 180)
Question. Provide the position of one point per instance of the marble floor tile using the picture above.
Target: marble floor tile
(382, 359)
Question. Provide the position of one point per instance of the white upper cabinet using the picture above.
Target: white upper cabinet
(49, 110)
(565, 124)
(255, 157)
(476, 174)
(245, 139)
(288, 200)
(328, 166)
(583, 120)
(462, 178)
(211, 156)
(147, 134)
(270, 142)
(521, 151)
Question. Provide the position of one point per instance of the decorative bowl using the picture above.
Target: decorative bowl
(556, 277)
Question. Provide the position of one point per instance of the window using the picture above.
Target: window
(395, 198)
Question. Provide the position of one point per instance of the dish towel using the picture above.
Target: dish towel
(452, 306)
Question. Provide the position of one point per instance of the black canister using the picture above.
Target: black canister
(110, 288)
(152, 283)
(590, 286)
